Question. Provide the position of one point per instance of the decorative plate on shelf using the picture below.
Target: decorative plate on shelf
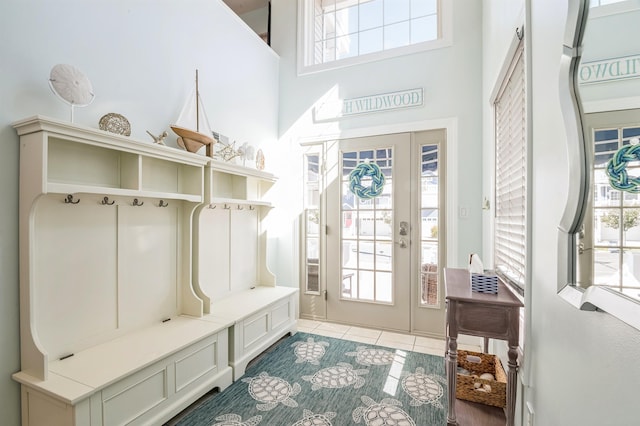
(115, 123)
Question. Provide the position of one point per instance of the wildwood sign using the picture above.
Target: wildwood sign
(609, 69)
(383, 102)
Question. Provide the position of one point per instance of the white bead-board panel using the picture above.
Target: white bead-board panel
(147, 269)
(101, 269)
(74, 272)
(228, 244)
(214, 241)
(244, 248)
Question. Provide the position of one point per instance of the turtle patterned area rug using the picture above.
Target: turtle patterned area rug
(312, 380)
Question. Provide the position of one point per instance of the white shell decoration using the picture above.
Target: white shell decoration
(487, 376)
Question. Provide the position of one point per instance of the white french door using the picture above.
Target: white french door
(383, 251)
(368, 260)
(373, 250)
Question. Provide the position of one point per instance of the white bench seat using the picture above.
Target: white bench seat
(147, 375)
(261, 316)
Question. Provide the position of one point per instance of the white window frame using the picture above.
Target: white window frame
(509, 263)
(305, 41)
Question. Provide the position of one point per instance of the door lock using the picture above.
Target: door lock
(404, 228)
(402, 243)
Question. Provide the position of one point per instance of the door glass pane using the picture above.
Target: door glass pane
(366, 285)
(384, 287)
(348, 290)
(429, 223)
(383, 256)
(367, 230)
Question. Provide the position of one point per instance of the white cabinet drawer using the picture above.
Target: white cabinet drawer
(195, 364)
(130, 398)
(137, 398)
(281, 314)
(254, 329)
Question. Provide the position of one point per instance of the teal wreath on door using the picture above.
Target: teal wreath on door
(366, 170)
(617, 169)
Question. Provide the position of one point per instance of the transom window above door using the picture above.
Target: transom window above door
(336, 33)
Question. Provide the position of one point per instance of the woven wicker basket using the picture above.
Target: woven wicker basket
(465, 385)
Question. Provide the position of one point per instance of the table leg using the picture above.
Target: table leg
(512, 383)
(452, 369)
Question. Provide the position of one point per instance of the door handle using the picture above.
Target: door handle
(402, 243)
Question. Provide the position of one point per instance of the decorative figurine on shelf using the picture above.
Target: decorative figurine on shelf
(260, 160)
(228, 151)
(115, 123)
(160, 138)
(247, 152)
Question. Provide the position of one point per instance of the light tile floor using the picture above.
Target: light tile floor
(369, 336)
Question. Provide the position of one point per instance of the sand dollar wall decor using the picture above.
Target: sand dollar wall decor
(71, 86)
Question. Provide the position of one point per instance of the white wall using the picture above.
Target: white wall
(451, 78)
(582, 369)
(141, 57)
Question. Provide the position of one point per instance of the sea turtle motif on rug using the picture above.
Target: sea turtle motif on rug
(387, 412)
(236, 420)
(271, 391)
(310, 419)
(372, 356)
(309, 351)
(423, 388)
(337, 376)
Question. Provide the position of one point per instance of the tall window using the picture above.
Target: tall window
(429, 224)
(341, 32)
(511, 173)
(311, 219)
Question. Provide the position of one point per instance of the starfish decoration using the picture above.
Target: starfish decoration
(228, 152)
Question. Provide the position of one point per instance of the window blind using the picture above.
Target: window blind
(511, 173)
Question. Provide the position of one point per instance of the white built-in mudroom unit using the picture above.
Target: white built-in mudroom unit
(143, 276)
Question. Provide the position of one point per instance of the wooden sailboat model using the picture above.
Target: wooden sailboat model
(192, 126)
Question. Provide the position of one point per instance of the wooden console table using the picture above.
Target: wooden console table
(493, 316)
